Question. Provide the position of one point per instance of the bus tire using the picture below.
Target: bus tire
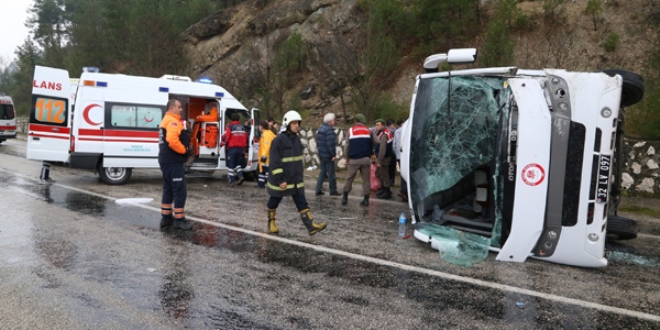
(114, 175)
(633, 86)
(619, 228)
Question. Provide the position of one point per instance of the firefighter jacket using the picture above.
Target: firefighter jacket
(235, 136)
(173, 140)
(326, 141)
(360, 142)
(384, 147)
(286, 165)
(264, 147)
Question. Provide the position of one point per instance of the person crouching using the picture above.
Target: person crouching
(286, 174)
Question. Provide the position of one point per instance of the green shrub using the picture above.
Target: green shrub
(611, 42)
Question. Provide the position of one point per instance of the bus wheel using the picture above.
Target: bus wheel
(619, 228)
(114, 175)
(633, 86)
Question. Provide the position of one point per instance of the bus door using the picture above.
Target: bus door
(49, 131)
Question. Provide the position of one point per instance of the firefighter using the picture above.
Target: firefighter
(173, 145)
(235, 138)
(286, 174)
(265, 142)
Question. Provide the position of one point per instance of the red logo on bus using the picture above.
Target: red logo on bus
(86, 114)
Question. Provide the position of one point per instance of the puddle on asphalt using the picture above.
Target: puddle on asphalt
(175, 296)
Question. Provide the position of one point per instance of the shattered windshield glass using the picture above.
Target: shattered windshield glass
(452, 136)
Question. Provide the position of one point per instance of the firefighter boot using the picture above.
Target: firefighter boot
(380, 191)
(344, 198)
(312, 228)
(365, 201)
(271, 222)
(182, 224)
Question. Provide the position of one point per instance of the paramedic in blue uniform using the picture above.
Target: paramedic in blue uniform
(286, 174)
(235, 138)
(173, 145)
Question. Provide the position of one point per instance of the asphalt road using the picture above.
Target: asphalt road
(71, 257)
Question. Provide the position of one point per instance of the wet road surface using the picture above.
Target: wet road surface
(70, 257)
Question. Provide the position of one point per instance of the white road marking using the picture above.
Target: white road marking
(431, 272)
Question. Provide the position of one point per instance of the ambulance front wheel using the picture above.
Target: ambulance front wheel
(114, 175)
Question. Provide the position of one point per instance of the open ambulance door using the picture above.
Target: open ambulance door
(49, 132)
(253, 143)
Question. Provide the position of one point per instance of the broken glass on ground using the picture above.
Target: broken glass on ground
(457, 247)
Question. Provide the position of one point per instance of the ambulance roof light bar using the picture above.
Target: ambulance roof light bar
(173, 77)
(454, 56)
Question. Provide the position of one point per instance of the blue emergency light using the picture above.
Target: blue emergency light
(101, 84)
(205, 80)
(90, 69)
(219, 94)
(163, 89)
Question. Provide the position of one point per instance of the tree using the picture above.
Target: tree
(594, 8)
(28, 56)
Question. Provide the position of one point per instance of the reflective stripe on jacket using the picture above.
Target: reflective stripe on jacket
(235, 135)
(360, 142)
(286, 165)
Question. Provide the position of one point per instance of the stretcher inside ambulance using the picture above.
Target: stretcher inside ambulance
(109, 122)
(7, 118)
(529, 160)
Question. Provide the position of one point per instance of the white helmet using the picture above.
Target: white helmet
(289, 117)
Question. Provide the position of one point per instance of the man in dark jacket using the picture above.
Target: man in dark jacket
(286, 174)
(173, 145)
(326, 143)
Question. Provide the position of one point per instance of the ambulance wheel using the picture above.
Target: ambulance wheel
(114, 175)
(619, 228)
(633, 86)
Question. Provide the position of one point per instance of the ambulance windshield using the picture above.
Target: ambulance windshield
(452, 136)
(6, 111)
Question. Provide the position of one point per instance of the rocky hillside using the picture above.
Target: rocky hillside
(235, 46)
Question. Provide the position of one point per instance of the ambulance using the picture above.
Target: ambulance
(528, 160)
(7, 118)
(109, 122)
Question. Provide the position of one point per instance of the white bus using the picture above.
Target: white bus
(109, 122)
(529, 159)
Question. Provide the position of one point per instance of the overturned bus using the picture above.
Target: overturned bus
(528, 160)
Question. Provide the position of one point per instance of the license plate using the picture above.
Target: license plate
(603, 178)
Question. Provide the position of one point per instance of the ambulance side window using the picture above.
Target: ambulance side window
(133, 116)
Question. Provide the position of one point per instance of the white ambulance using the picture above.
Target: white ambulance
(7, 118)
(528, 159)
(109, 122)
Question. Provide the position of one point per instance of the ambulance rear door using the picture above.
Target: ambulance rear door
(49, 131)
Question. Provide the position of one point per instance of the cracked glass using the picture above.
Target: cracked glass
(457, 127)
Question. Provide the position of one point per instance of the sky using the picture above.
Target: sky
(12, 28)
